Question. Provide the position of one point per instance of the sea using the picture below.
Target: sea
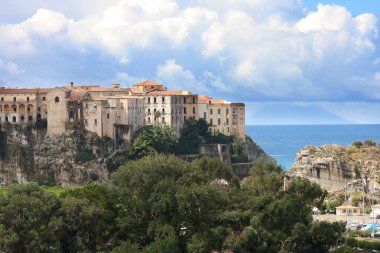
(283, 142)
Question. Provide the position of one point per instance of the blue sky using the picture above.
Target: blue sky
(323, 53)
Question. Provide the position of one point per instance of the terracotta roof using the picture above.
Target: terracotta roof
(135, 91)
(204, 98)
(77, 95)
(165, 92)
(218, 101)
(43, 90)
(17, 91)
(148, 82)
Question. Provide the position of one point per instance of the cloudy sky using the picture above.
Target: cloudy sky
(324, 53)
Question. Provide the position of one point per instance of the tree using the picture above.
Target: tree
(164, 192)
(357, 144)
(25, 213)
(153, 140)
(370, 143)
(193, 134)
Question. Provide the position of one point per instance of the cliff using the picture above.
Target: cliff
(335, 167)
(73, 158)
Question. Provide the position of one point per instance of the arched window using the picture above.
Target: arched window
(6, 118)
(22, 118)
(14, 119)
(57, 99)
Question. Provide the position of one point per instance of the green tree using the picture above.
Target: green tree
(153, 140)
(25, 213)
(168, 191)
(370, 143)
(193, 134)
(357, 144)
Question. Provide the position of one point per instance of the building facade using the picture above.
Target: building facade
(117, 112)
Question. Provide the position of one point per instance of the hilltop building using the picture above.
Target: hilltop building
(117, 112)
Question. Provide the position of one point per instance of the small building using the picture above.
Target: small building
(375, 210)
(348, 210)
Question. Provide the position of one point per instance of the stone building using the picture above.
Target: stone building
(22, 106)
(117, 112)
(225, 117)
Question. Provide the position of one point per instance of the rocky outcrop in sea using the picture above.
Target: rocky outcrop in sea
(335, 167)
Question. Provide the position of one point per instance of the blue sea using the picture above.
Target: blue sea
(283, 142)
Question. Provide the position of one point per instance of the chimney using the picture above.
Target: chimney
(71, 85)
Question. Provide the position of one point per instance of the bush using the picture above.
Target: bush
(370, 143)
(352, 242)
(357, 144)
(84, 155)
(345, 249)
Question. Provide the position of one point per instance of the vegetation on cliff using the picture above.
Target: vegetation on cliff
(163, 204)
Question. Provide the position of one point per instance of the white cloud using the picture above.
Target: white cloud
(247, 48)
(10, 67)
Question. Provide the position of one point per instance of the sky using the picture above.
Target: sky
(272, 52)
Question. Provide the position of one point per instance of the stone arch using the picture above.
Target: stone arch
(21, 108)
(6, 108)
(56, 99)
(14, 108)
(30, 108)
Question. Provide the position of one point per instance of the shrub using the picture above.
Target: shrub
(370, 143)
(357, 144)
(84, 155)
(345, 249)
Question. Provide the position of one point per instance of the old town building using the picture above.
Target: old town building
(117, 112)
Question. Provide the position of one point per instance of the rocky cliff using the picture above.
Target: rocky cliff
(73, 158)
(335, 167)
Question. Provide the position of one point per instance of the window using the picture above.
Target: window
(163, 99)
(22, 118)
(154, 100)
(2, 99)
(148, 111)
(56, 99)
(163, 119)
(14, 119)
(148, 119)
(163, 110)
(43, 98)
(218, 111)
(184, 100)
(6, 118)
(184, 110)
(30, 118)
(193, 100)
(85, 122)
(15, 109)
(218, 122)
(204, 115)
(226, 110)
(95, 122)
(228, 129)
(148, 100)
(14, 99)
(27, 99)
(211, 121)
(39, 109)
(241, 110)
(227, 121)
(108, 115)
(210, 111)
(154, 110)
(193, 110)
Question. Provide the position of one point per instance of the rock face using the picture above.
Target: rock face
(31, 155)
(334, 167)
(254, 151)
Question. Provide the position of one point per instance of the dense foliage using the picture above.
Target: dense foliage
(152, 140)
(163, 204)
